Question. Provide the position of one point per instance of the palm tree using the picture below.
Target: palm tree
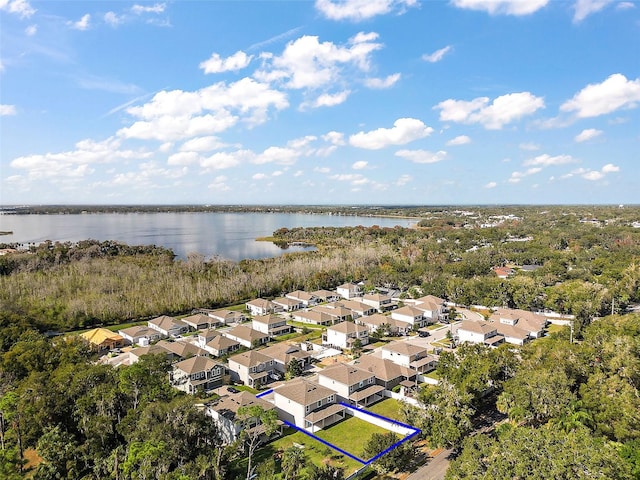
(293, 461)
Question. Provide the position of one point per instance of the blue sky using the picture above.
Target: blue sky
(320, 102)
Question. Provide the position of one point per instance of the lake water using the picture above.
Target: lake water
(227, 235)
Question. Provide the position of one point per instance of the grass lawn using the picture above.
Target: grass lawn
(389, 407)
(555, 328)
(434, 326)
(432, 374)
(316, 453)
(245, 388)
(351, 435)
(310, 326)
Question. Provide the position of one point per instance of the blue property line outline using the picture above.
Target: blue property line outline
(267, 392)
(415, 431)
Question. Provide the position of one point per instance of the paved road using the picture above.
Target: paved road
(435, 469)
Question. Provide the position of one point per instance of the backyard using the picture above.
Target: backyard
(350, 435)
(388, 407)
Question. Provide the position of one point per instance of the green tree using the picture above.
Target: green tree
(145, 461)
(392, 461)
(257, 425)
(325, 472)
(293, 462)
(60, 455)
(294, 369)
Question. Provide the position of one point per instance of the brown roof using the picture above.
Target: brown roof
(335, 310)
(149, 350)
(228, 405)
(376, 319)
(247, 333)
(315, 316)
(140, 331)
(165, 322)
(383, 368)
(301, 295)
(182, 349)
(366, 392)
(260, 303)
(404, 348)
(325, 412)
(355, 305)
(409, 310)
(195, 364)
(269, 319)
(303, 392)
(284, 352)
(347, 327)
(324, 294)
(346, 374)
(197, 319)
(289, 302)
(513, 331)
(376, 297)
(224, 314)
(477, 327)
(221, 343)
(250, 358)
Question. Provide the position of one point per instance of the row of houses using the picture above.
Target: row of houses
(505, 325)
(317, 402)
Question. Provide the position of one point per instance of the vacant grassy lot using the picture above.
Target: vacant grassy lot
(350, 434)
(388, 407)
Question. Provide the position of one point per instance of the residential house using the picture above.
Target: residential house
(307, 299)
(103, 339)
(282, 353)
(260, 306)
(247, 336)
(342, 335)
(378, 301)
(533, 323)
(272, 325)
(168, 326)
(409, 355)
(197, 374)
(387, 373)
(313, 317)
(182, 350)
(358, 309)
(377, 320)
(136, 353)
(326, 295)
(503, 272)
(220, 345)
(410, 315)
(512, 333)
(354, 385)
(307, 405)
(288, 304)
(225, 413)
(198, 321)
(479, 332)
(349, 291)
(336, 311)
(251, 368)
(226, 316)
(434, 309)
(139, 335)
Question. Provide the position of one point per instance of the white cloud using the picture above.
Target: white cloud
(505, 7)
(357, 10)
(259, 176)
(327, 100)
(31, 30)
(529, 146)
(404, 130)
(219, 183)
(517, 176)
(584, 8)
(587, 134)
(6, 110)
(459, 140)
(157, 8)
(111, 18)
(625, 5)
(403, 180)
(360, 165)
(593, 175)
(422, 156)
(202, 144)
(609, 167)
(437, 55)
(82, 24)
(22, 8)
(174, 115)
(184, 158)
(333, 137)
(306, 63)
(298, 173)
(493, 116)
(491, 185)
(382, 83)
(217, 64)
(322, 169)
(547, 160)
(76, 163)
(602, 98)
(223, 160)
(353, 178)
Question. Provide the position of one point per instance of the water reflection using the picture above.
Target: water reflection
(226, 235)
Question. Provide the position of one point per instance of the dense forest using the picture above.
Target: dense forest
(572, 408)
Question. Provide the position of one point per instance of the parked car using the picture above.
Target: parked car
(232, 390)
